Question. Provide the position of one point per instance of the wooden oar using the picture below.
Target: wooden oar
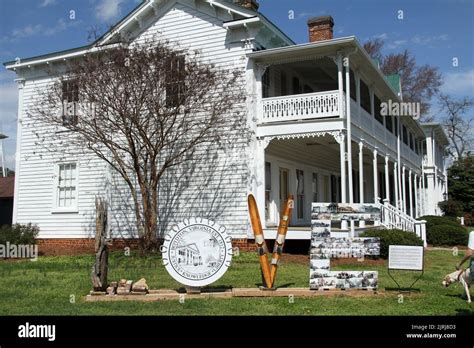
(259, 241)
(285, 218)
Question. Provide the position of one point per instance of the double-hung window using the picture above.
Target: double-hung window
(70, 99)
(176, 82)
(66, 186)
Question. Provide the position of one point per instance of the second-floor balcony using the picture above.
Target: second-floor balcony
(301, 107)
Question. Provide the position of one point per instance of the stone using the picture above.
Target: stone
(140, 285)
(124, 287)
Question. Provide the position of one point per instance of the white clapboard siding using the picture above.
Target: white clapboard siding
(216, 190)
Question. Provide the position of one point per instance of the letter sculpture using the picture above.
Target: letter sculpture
(269, 272)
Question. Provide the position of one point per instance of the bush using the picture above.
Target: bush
(434, 220)
(19, 234)
(447, 235)
(392, 237)
(451, 208)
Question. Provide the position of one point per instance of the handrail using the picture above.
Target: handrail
(392, 217)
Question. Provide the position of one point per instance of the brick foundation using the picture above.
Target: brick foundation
(78, 246)
(244, 244)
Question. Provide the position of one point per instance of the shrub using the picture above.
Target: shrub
(392, 237)
(19, 234)
(451, 208)
(434, 220)
(447, 235)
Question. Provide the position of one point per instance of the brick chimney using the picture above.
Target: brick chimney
(320, 28)
(250, 4)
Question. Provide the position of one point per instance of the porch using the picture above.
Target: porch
(314, 168)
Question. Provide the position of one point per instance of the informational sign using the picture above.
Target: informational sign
(404, 257)
(325, 246)
(197, 252)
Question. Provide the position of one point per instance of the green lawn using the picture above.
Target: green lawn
(46, 286)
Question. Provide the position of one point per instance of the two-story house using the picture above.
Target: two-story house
(315, 123)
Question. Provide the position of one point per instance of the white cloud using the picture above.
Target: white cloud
(459, 83)
(383, 36)
(427, 39)
(29, 30)
(396, 43)
(107, 10)
(39, 29)
(47, 3)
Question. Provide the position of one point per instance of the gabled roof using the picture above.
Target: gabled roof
(133, 16)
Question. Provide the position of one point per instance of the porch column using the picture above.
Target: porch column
(376, 181)
(430, 193)
(361, 178)
(340, 138)
(349, 131)
(416, 195)
(422, 194)
(404, 192)
(340, 85)
(260, 178)
(342, 160)
(387, 181)
(395, 184)
(410, 188)
(361, 172)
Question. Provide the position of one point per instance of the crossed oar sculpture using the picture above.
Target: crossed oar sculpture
(269, 271)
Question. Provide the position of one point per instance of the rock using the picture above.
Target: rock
(124, 287)
(112, 288)
(140, 286)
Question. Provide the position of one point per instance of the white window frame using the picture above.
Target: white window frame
(57, 209)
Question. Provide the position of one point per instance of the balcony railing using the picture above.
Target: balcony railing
(301, 106)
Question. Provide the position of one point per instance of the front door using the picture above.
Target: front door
(284, 186)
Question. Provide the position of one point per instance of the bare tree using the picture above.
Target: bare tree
(419, 83)
(143, 109)
(457, 124)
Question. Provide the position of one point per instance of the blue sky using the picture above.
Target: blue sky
(436, 31)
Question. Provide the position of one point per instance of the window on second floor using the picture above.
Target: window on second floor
(405, 134)
(70, 99)
(365, 97)
(176, 82)
(412, 142)
(377, 107)
(388, 123)
(395, 125)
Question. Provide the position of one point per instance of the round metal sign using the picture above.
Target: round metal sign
(197, 252)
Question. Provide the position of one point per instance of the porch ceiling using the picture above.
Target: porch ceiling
(321, 152)
(318, 71)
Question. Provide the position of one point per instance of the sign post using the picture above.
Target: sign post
(405, 258)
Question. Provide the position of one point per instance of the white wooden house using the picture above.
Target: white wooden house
(315, 129)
